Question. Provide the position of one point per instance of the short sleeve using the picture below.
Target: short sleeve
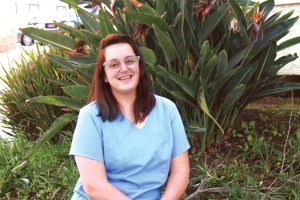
(180, 142)
(87, 139)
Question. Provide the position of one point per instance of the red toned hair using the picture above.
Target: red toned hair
(101, 91)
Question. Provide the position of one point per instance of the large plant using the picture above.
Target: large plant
(212, 58)
(32, 75)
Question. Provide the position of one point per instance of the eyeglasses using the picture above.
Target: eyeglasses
(115, 64)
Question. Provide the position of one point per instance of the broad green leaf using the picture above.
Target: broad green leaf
(205, 54)
(203, 105)
(210, 23)
(183, 83)
(89, 21)
(146, 9)
(208, 69)
(57, 101)
(106, 26)
(222, 64)
(276, 88)
(57, 125)
(62, 61)
(265, 61)
(49, 37)
(240, 18)
(288, 43)
(149, 56)
(271, 20)
(86, 60)
(232, 97)
(195, 127)
(80, 92)
(270, 35)
(238, 57)
(279, 20)
(158, 70)
(87, 70)
(166, 44)
(185, 98)
(160, 7)
(268, 5)
(81, 33)
(148, 19)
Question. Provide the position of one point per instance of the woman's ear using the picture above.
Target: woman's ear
(105, 80)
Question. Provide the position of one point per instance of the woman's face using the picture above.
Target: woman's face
(121, 68)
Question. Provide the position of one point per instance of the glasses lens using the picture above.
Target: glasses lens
(113, 65)
(131, 60)
(116, 64)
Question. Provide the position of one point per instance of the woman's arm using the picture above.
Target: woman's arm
(94, 180)
(178, 178)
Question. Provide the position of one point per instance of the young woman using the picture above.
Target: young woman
(128, 142)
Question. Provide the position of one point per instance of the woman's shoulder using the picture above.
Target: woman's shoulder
(164, 102)
(91, 108)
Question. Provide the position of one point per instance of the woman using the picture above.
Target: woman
(128, 142)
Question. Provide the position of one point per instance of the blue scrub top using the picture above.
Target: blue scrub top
(137, 160)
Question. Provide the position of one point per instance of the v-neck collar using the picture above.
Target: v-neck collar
(140, 126)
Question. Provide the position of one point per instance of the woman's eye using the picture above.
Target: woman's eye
(113, 65)
(130, 61)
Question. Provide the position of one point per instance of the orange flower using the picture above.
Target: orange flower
(257, 16)
(136, 3)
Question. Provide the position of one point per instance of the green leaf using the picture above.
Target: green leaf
(210, 23)
(203, 105)
(271, 35)
(275, 88)
(166, 44)
(233, 96)
(57, 125)
(62, 61)
(79, 92)
(149, 56)
(222, 64)
(57, 101)
(146, 9)
(148, 19)
(240, 18)
(81, 33)
(288, 43)
(181, 96)
(49, 37)
(266, 58)
(106, 26)
(195, 127)
(89, 21)
(183, 83)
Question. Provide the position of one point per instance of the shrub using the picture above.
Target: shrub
(213, 58)
(33, 75)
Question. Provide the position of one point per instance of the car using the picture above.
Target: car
(46, 23)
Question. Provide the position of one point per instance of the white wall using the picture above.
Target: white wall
(8, 26)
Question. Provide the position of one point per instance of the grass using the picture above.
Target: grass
(260, 159)
(49, 174)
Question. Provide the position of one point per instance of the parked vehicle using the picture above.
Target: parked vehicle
(41, 23)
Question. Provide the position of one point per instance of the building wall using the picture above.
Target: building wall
(292, 68)
(8, 28)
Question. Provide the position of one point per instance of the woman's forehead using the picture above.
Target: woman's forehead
(118, 51)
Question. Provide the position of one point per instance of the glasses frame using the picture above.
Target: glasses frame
(137, 58)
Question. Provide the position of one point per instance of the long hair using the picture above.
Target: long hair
(101, 91)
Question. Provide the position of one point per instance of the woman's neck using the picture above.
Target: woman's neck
(126, 104)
